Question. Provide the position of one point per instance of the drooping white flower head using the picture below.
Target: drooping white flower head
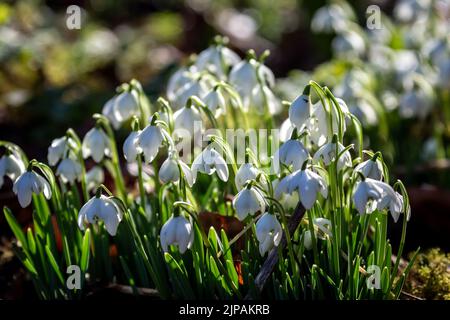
(327, 153)
(131, 148)
(126, 105)
(306, 183)
(12, 166)
(96, 144)
(268, 233)
(170, 170)
(58, 149)
(300, 110)
(318, 126)
(109, 112)
(286, 130)
(28, 183)
(246, 172)
(101, 208)
(371, 168)
(198, 87)
(349, 44)
(94, 178)
(217, 59)
(189, 120)
(121, 107)
(177, 231)
(287, 200)
(208, 162)
(215, 102)
(180, 78)
(149, 141)
(69, 170)
(291, 153)
(371, 194)
(263, 100)
(323, 232)
(331, 18)
(248, 201)
(415, 103)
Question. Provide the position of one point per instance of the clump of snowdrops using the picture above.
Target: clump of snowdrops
(144, 228)
(394, 74)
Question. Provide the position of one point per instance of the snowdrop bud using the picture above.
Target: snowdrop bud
(96, 144)
(125, 106)
(268, 233)
(327, 153)
(109, 112)
(248, 201)
(208, 162)
(307, 240)
(215, 102)
(149, 141)
(101, 208)
(12, 166)
(300, 110)
(57, 150)
(186, 118)
(245, 173)
(371, 168)
(179, 231)
(94, 178)
(291, 153)
(28, 183)
(307, 184)
(131, 149)
(69, 170)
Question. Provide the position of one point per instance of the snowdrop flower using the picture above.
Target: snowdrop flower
(149, 141)
(327, 153)
(349, 44)
(215, 102)
(28, 183)
(69, 170)
(180, 78)
(371, 194)
(12, 166)
(323, 232)
(300, 110)
(96, 144)
(109, 112)
(102, 208)
(248, 201)
(291, 153)
(318, 126)
(131, 149)
(306, 183)
(216, 60)
(263, 100)
(188, 118)
(197, 88)
(126, 105)
(245, 76)
(371, 168)
(170, 170)
(177, 230)
(245, 173)
(58, 149)
(268, 233)
(210, 161)
(286, 130)
(288, 201)
(415, 103)
(331, 18)
(94, 178)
